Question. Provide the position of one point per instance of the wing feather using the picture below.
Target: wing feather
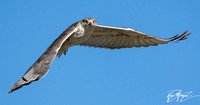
(113, 42)
(138, 41)
(149, 43)
(122, 42)
(131, 43)
(126, 42)
(145, 43)
(105, 43)
(42, 65)
(119, 37)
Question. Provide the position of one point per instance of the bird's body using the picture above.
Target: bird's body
(81, 35)
(87, 33)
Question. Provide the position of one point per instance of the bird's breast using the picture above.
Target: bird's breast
(82, 34)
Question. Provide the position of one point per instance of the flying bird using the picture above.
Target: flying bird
(87, 33)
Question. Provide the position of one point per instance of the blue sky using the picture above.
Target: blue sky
(93, 76)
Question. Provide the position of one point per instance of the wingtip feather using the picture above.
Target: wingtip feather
(20, 83)
(180, 37)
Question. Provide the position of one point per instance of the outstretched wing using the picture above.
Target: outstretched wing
(118, 37)
(41, 66)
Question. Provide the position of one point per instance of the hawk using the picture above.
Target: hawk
(87, 33)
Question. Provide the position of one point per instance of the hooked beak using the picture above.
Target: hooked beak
(90, 23)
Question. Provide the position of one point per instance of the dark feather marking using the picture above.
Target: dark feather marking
(18, 87)
(24, 79)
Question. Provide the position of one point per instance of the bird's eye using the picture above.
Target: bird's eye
(85, 21)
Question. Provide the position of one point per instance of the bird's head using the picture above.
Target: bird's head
(89, 22)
